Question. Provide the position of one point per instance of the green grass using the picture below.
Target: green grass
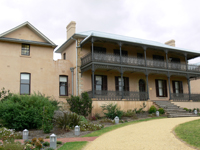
(189, 132)
(73, 145)
(110, 128)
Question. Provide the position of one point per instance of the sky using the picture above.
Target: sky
(156, 20)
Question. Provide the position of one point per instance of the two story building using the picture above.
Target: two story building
(124, 70)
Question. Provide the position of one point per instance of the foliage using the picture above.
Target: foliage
(93, 118)
(189, 132)
(8, 132)
(25, 111)
(46, 143)
(190, 110)
(47, 121)
(197, 109)
(73, 145)
(90, 127)
(10, 144)
(83, 119)
(81, 106)
(97, 116)
(161, 110)
(5, 94)
(59, 142)
(112, 110)
(107, 120)
(152, 109)
(129, 113)
(67, 120)
(185, 109)
(110, 128)
(141, 109)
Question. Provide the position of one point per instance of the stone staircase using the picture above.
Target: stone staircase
(173, 110)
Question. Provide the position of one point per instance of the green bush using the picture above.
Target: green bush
(129, 113)
(67, 120)
(59, 142)
(81, 106)
(90, 127)
(5, 94)
(152, 109)
(161, 110)
(112, 110)
(25, 111)
(46, 144)
(185, 109)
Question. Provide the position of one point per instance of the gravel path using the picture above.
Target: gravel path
(149, 135)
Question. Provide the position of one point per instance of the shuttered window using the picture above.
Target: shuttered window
(177, 87)
(100, 83)
(161, 88)
(118, 84)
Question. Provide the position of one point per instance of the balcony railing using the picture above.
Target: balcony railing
(185, 97)
(111, 58)
(117, 95)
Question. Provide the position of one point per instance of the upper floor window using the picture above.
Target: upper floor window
(25, 83)
(117, 52)
(63, 85)
(25, 49)
(101, 50)
(64, 56)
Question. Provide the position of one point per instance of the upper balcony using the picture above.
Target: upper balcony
(134, 61)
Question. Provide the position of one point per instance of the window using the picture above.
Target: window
(64, 56)
(100, 83)
(117, 52)
(25, 83)
(118, 83)
(101, 50)
(25, 49)
(161, 88)
(63, 85)
(177, 87)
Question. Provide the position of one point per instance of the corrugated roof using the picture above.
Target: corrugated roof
(131, 40)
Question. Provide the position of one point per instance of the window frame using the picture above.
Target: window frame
(180, 87)
(164, 88)
(64, 56)
(25, 83)
(23, 49)
(66, 86)
(125, 83)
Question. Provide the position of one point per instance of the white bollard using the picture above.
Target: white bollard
(116, 120)
(53, 141)
(157, 113)
(77, 130)
(25, 134)
(195, 112)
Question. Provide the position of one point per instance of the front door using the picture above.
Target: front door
(142, 89)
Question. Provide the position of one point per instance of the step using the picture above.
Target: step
(181, 115)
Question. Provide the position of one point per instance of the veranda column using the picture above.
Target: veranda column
(189, 90)
(92, 41)
(166, 52)
(122, 83)
(72, 70)
(169, 86)
(186, 62)
(145, 55)
(92, 80)
(120, 50)
(147, 84)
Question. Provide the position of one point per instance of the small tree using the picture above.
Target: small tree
(81, 106)
(5, 94)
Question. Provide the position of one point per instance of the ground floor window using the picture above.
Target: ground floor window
(118, 84)
(100, 83)
(63, 84)
(25, 83)
(177, 87)
(161, 88)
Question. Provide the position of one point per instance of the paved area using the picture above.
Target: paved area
(150, 135)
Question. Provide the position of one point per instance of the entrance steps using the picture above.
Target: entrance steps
(173, 110)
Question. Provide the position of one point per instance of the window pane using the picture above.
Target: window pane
(63, 90)
(99, 80)
(160, 92)
(98, 87)
(160, 84)
(25, 49)
(25, 78)
(63, 79)
(24, 89)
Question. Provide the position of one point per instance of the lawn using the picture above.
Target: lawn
(189, 132)
(73, 145)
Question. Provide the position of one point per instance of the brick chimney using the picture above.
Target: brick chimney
(71, 29)
(170, 43)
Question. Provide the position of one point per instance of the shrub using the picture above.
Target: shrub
(46, 144)
(90, 127)
(25, 111)
(152, 109)
(197, 109)
(5, 94)
(97, 116)
(59, 142)
(67, 120)
(83, 119)
(129, 113)
(161, 110)
(81, 106)
(107, 120)
(112, 110)
(190, 110)
(185, 109)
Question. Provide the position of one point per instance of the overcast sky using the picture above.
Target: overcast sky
(157, 20)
